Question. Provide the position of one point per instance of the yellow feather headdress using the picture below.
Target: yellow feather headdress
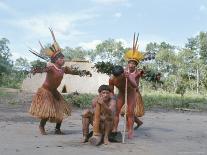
(47, 53)
(134, 54)
(53, 50)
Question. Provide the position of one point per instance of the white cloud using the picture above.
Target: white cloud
(202, 8)
(110, 2)
(124, 42)
(94, 43)
(29, 56)
(63, 24)
(117, 14)
(90, 45)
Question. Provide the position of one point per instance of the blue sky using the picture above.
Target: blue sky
(88, 22)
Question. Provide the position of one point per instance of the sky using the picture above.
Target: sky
(88, 22)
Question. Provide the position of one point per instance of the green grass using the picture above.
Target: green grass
(172, 101)
(81, 100)
(152, 100)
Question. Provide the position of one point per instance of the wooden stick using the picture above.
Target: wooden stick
(125, 110)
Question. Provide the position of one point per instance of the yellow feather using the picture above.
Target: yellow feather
(136, 55)
(48, 52)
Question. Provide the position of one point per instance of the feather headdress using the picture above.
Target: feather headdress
(50, 52)
(134, 54)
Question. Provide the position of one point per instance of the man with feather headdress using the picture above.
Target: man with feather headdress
(135, 106)
(48, 104)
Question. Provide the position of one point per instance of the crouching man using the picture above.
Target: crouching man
(100, 116)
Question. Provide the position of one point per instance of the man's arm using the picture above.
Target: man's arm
(76, 71)
(107, 108)
(96, 121)
(41, 69)
(111, 86)
(131, 79)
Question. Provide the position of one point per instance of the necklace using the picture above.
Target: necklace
(59, 69)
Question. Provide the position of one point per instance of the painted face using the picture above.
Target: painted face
(132, 65)
(105, 94)
(60, 61)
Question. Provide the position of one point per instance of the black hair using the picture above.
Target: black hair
(58, 55)
(133, 61)
(104, 87)
(117, 70)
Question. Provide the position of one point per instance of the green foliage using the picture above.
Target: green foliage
(80, 100)
(38, 64)
(202, 38)
(104, 67)
(109, 50)
(5, 61)
(181, 89)
(21, 64)
(11, 75)
(171, 101)
(13, 80)
(77, 53)
(153, 99)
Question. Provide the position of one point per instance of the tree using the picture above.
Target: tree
(77, 53)
(152, 47)
(5, 61)
(21, 64)
(38, 64)
(202, 39)
(198, 46)
(110, 51)
(166, 59)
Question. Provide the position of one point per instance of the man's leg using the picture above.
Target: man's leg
(107, 129)
(130, 122)
(85, 124)
(42, 126)
(97, 135)
(130, 116)
(138, 122)
(118, 110)
(57, 128)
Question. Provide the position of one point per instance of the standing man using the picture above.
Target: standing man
(133, 56)
(48, 104)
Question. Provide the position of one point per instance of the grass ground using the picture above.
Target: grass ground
(153, 99)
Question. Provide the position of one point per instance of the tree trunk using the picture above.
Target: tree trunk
(197, 80)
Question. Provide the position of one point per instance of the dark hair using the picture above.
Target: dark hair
(117, 70)
(104, 87)
(133, 61)
(58, 55)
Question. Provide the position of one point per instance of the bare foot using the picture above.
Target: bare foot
(85, 139)
(95, 140)
(58, 132)
(138, 125)
(130, 134)
(106, 141)
(42, 130)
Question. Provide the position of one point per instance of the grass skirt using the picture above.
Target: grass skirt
(46, 106)
(139, 106)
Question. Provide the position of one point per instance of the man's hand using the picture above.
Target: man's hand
(100, 100)
(126, 74)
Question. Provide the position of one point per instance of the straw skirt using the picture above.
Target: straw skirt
(47, 106)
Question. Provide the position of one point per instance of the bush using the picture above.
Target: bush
(172, 101)
(80, 100)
